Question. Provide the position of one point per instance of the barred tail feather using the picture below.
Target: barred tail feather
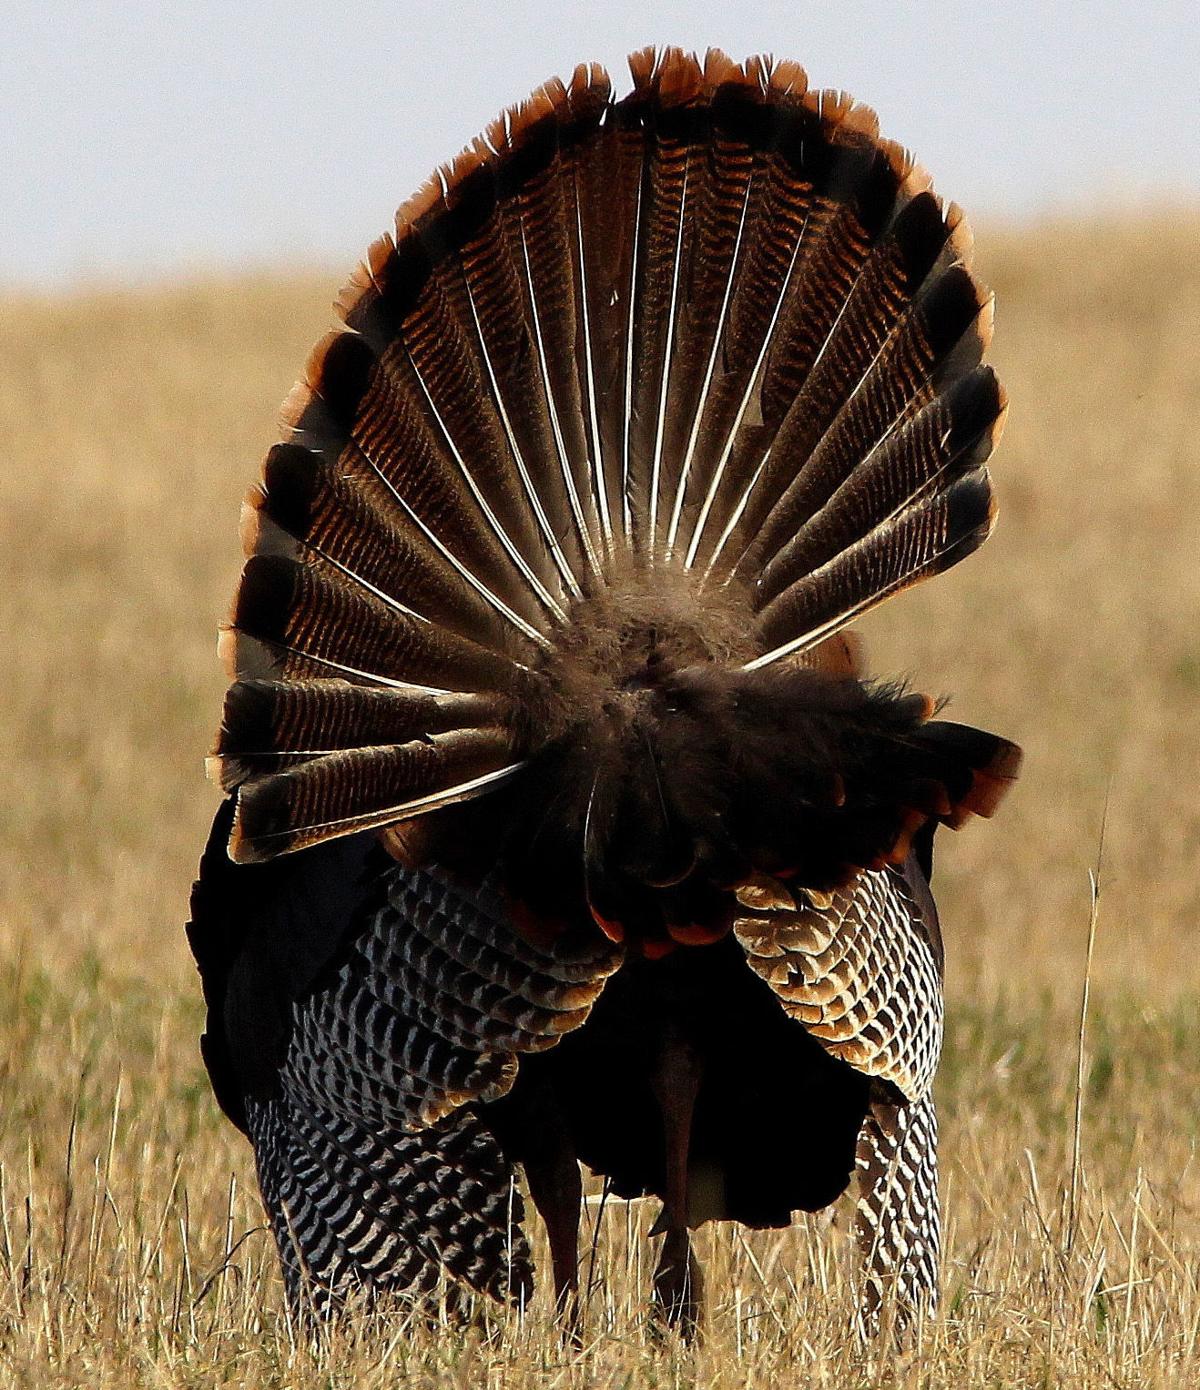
(682, 381)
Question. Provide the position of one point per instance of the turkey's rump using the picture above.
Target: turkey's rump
(775, 1119)
(643, 402)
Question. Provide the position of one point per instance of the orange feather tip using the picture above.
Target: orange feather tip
(696, 933)
(302, 397)
(913, 177)
(550, 99)
(250, 520)
(611, 928)
(246, 658)
(843, 119)
(314, 364)
(589, 90)
(913, 821)
(241, 849)
(669, 75)
(259, 533)
(296, 405)
(787, 79)
(987, 318)
(515, 124)
(720, 69)
(365, 281)
(679, 78)
(227, 650)
(989, 786)
(782, 80)
(641, 67)
(428, 198)
(998, 424)
(992, 783)
(961, 240)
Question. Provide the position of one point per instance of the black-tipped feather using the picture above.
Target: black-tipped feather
(365, 788)
(269, 726)
(951, 436)
(924, 540)
(344, 515)
(324, 617)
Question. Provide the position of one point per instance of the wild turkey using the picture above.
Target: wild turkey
(565, 826)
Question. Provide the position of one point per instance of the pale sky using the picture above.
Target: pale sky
(142, 139)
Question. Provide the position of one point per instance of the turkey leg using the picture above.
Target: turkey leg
(678, 1286)
(555, 1186)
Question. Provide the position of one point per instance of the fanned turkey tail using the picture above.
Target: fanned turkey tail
(643, 403)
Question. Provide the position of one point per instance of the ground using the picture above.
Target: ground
(131, 1243)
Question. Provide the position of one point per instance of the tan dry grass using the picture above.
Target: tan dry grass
(130, 427)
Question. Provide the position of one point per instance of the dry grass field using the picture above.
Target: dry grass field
(131, 1243)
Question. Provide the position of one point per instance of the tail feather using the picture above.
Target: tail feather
(949, 437)
(301, 609)
(436, 324)
(944, 332)
(269, 726)
(537, 195)
(348, 403)
(487, 283)
(724, 182)
(682, 382)
(889, 281)
(773, 121)
(668, 93)
(922, 541)
(363, 788)
(340, 516)
(607, 169)
(832, 203)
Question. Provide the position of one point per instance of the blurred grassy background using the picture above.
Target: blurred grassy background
(130, 425)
